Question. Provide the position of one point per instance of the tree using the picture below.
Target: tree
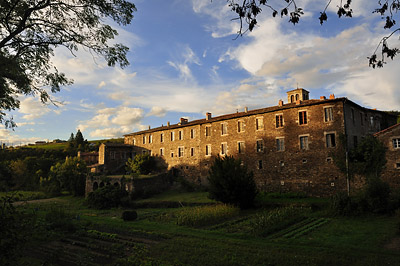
(229, 182)
(70, 175)
(142, 164)
(248, 10)
(31, 30)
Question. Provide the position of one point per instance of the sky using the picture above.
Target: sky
(185, 60)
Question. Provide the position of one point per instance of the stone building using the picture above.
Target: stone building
(390, 137)
(288, 147)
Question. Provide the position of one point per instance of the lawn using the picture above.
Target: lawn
(313, 237)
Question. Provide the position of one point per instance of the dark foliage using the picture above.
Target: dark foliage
(106, 197)
(31, 30)
(374, 198)
(229, 182)
(16, 227)
(129, 215)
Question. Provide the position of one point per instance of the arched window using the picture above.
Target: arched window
(291, 98)
(297, 97)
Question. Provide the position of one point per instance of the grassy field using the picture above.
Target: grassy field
(214, 235)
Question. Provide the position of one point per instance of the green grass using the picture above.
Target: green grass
(49, 146)
(179, 196)
(315, 240)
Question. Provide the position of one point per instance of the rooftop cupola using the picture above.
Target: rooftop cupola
(298, 94)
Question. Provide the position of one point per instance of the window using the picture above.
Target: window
(144, 139)
(180, 135)
(304, 142)
(260, 164)
(260, 145)
(208, 149)
(224, 129)
(150, 138)
(362, 119)
(330, 140)
(397, 165)
(172, 154)
(240, 126)
(280, 144)
(291, 98)
(172, 136)
(396, 143)
(355, 141)
(192, 133)
(161, 151)
(352, 116)
(162, 137)
(192, 152)
(297, 97)
(371, 121)
(259, 124)
(112, 155)
(208, 131)
(240, 147)
(279, 121)
(328, 114)
(302, 117)
(224, 148)
(180, 151)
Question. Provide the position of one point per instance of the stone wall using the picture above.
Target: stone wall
(391, 172)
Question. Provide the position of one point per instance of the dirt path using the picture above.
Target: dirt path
(51, 200)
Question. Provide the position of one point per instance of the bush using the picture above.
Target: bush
(375, 197)
(129, 215)
(229, 182)
(106, 197)
(342, 204)
(205, 215)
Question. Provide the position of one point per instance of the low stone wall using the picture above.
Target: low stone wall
(142, 185)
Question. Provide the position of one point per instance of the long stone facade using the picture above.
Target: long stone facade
(288, 147)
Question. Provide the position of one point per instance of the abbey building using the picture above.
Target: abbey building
(288, 147)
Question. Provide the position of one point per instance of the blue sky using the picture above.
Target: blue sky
(184, 63)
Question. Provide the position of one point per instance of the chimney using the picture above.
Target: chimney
(149, 127)
(183, 121)
(322, 98)
(208, 116)
(332, 96)
(246, 109)
(168, 124)
(280, 103)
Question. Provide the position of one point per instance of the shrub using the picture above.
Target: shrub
(106, 197)
(205, 215)
(229, 182)
(342, 204)
(375, 197)
(129, 215)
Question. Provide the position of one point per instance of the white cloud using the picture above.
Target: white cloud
(182, 65)
(12, 139)
(157, 111)
(32, 108)
(112, 122)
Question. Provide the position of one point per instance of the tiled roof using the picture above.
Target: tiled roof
(386, 130)
(248, 113)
